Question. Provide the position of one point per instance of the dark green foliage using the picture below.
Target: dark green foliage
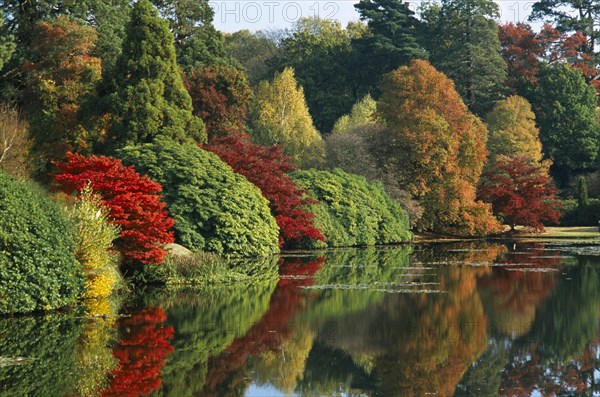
(319, 51)
(47, 345)
(197, 42)
(565, 109)
(148, 97)
(390, 43)
(206, 324)
(38, 269)
(7, 45)
(214, 209)
(568, 321)
(353, 211)
(255, 51)
(462, 39)
(582, 193)
(574, 215)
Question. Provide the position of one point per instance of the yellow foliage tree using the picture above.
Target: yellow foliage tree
(280, 117)
(512, 130)
(363, 112)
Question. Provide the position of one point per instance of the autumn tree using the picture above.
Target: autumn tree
(521, 49)
(570, 16)
(220, 97)
(266, 167)
(108, 17)
(512, 129)
(463, 44)
(524, 50)
(521, 192)
(147, 97)
(436, 148)
(134, 204)
(61, 74)
(565, 107)
(280, 117)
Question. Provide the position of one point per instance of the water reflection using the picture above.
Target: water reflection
(474, 319)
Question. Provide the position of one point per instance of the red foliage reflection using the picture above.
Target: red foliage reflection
(141, 352)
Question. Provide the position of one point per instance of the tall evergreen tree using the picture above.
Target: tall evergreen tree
(582, 193)
(197, 42)
(390, 43)
(149, 98)
(462, 39)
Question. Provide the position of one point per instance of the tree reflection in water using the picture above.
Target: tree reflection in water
(142, 350)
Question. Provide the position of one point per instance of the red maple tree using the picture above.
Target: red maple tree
(521, 192)
(141, 352)
(266, 167)
(523, 49)
(134, 203)
(220, 97)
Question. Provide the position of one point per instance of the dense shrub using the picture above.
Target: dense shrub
(133, 200)
(38, 269)
(214, 208)
(573, 215)
(267, 168)
(353, 211)
(95, 236)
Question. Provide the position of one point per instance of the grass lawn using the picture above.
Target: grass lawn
(567, 232)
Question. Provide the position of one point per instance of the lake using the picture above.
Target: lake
(465, 319)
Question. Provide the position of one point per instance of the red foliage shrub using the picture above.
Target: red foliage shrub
(141, 352)
(133, 201)
(266, 167)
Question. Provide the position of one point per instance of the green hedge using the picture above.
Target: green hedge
(353, 212)
(38, 269)
(215, 209)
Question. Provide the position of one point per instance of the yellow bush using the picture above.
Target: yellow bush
(94, 245)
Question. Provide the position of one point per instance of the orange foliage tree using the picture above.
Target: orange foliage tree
(436, 148)
(61, 74)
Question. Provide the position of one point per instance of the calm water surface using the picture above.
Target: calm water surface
(476, 319)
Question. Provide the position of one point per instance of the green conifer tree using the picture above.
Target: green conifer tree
(149, 98)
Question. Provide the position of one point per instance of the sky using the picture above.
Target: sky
(234, 15)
